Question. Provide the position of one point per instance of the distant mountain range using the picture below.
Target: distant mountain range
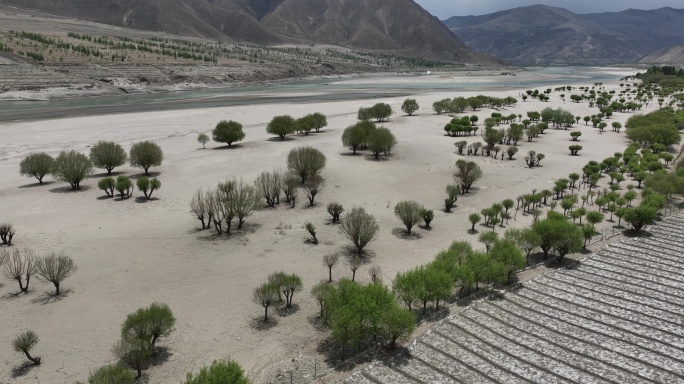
(393, 26)
(546, 34)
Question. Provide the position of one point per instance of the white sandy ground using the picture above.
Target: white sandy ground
(131, 254)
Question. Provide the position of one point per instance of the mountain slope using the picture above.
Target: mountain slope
(393, 26)
(670, 55)
(397, 25)
(547, 34)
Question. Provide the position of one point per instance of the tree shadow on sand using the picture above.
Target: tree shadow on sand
(36, 184)
(67, 189)
(258, 323)
(401, 233)
(49, 297)
(23, 369)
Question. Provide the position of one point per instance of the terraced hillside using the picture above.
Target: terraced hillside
(617, 318)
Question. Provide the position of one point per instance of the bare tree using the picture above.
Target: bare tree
(354, 264)
(245, 200)
(335, 210)
(330, 260)
(20, 265)
(54, 268)
(269, 184)
(289, 187)
(313, 185)
(374, 273)
(198, 207)
(24, 343)
(360, 228)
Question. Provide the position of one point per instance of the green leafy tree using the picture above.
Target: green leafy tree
(360, 228)
(381, 141)
(467, 173)
(266, 295)
(134, 352)
(507, 253)
(594, 217)
(228, 132)
(397, 324)
(36, 165)
(111, 374)
(124, 186)
(72, 167)
(556, 232)
(381, 112)
(108, 155)
(281, 126)
(24, 343)
(410, 106)
(305, 162)
(574, 149)
(219, 372)
(354, 136)
(145, 155)
(640, 216)
(320, 121)
(147, 186)
(409, 212)
(588, 231)
(149, 324)
(428, 215)
(452, 196)
(203, 139)
(107, 184)
(474, 218)
(489, 239)
(305, 124)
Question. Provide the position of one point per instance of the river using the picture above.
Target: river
(319, 90)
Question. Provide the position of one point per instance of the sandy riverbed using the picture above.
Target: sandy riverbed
(133, 253)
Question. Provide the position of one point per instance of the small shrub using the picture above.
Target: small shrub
(428, 215)
(24, 343)
(574, 149)
(452, 196)
(6, 234)
(111, 374)
(335, 210)
(124, 186)
(107, 185)
(147, 186)
(203, 139)
(219, 372)
(575, 135)
(312, 231)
